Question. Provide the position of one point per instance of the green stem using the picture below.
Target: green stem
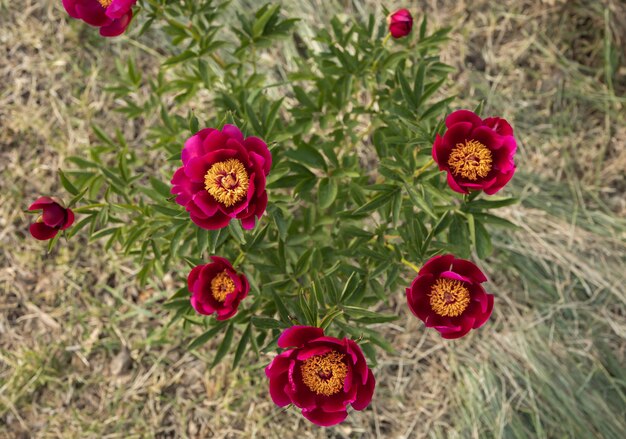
(386, 39)
(423, 168)
(411, 265)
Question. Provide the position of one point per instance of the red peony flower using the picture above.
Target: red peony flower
(476, 153)
(217, 288)
(400, 23)
(111, 16)
(223, 177)
(447, 295)
(55, 217)
(320, 374)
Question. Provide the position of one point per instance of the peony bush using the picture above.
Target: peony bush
(298, 185)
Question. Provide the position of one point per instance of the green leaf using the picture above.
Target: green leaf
(202, 339)
(327, 192)
(484, 248)
(308, 155)
(160, 187)
(259, 25)
(236, 231)
(224, 346)
(243, 342)
(267, 323)
(67, 184)
(379, 200)
(491, 203)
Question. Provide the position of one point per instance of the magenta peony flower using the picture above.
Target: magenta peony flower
(55, 217)
(477, 154)
(111, 16)
(321, 375)
(217, 288)
(223, 177)
(447, 295)
(400, 23)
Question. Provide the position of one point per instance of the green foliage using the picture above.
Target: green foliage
(353, 197)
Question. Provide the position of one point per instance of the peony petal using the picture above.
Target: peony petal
(437, 264)
(278, 385)
(455, 276)
(499, 125)
(249, 222)
(482, 318)
(117, 26)
(119, 8)
(54, 215)
(298, 336)
(233, 132)
(365, 392)
(487, 137)
(241, 153)
(280, 364)
(454, 185)
(463, 116)
(206, 203)
(42, 232)
(359, 361)
(193, 275)
(308, 352)
(417, 295)
(92, 13)
(214, 141)
(456, 134)
(41, 202)
(468, 269)
(69, 219)
(324, 419)
(258, 146)
(299, 393)
(193, 148)
(501, 181)
(226, 313)
(70, 7)
(436, 145)
(201, 307)
(466, 325)
(196, 169)
(217, 221)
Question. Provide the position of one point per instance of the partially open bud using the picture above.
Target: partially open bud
(400, 23)
(55, 217)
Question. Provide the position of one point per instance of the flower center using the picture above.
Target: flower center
(227, 182)
(105, 3)
(471, 160)
(221, 286)
(449, 298)
(324, 374)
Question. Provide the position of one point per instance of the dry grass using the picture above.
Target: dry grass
(84, 353)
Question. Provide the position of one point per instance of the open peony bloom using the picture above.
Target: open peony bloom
(321, 375)
(217, 288)
(111, 16)
(223, 177)
(400, 23)
(447, 295)
(476, 153)
(55, 217)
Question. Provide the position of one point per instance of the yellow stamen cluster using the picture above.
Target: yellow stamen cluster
(449, 298)
(105, 3)
(470, 160)
(324, 374)
(221, 286)
(227, 182)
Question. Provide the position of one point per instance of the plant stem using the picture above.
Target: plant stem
(411, 265)
(423, 168)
